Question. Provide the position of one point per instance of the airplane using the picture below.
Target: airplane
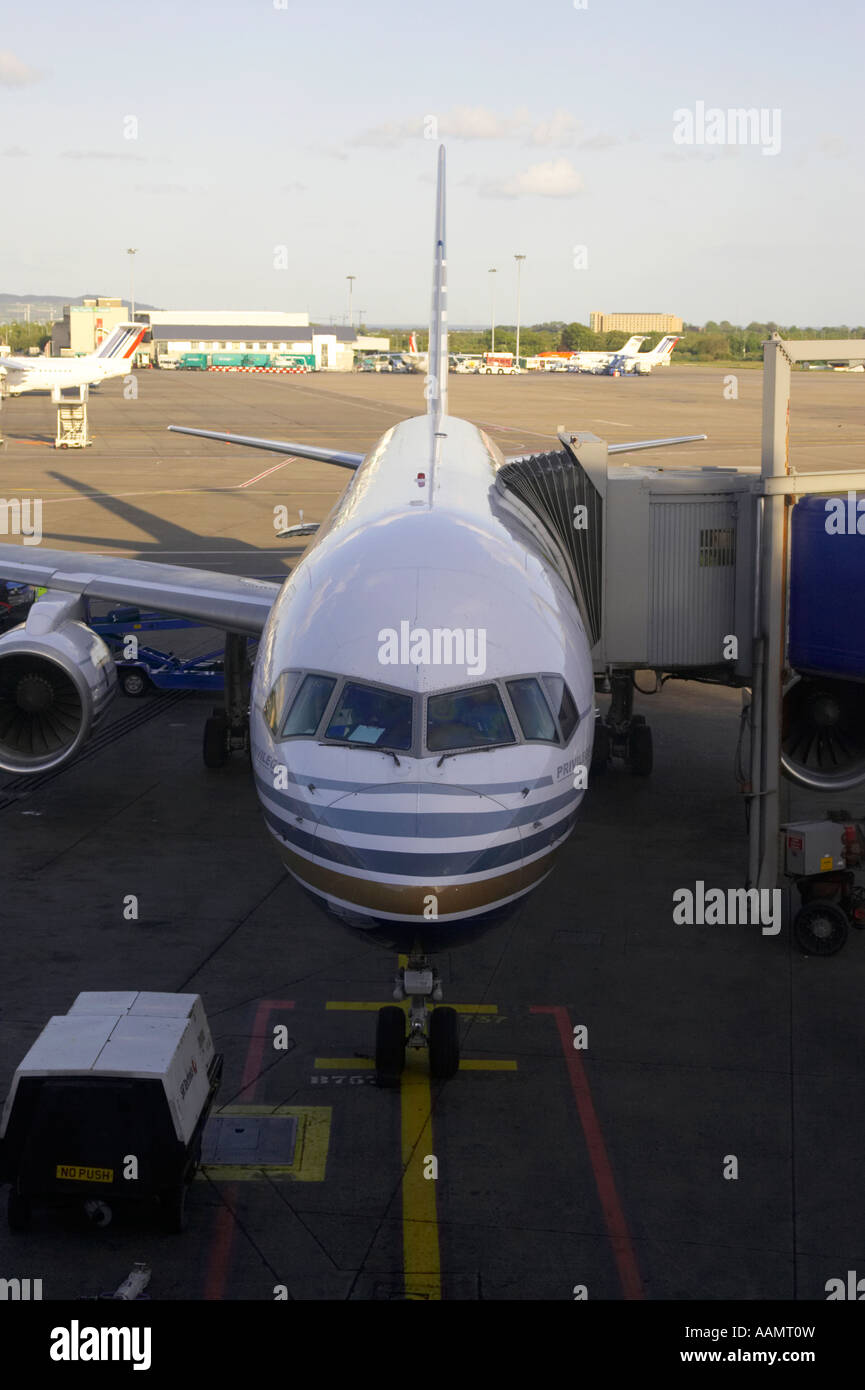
(598, 361)
(111, 358)
(643, 362)
(421, 714)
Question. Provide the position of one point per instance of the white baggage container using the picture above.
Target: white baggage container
(122, 1074)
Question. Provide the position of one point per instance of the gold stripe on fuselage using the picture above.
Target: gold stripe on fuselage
(410, 899)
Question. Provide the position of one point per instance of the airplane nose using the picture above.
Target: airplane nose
(419, 852)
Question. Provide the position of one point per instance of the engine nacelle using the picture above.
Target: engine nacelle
(823, 733)
(56, 678)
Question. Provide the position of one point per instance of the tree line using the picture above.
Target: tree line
(21, 336)
(709, 342)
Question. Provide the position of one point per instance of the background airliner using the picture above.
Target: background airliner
(595, 361)
(112, 358)
(644, 362)
(397, 788)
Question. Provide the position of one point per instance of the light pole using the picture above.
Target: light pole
(493, 310)
(130, 251)
(519, 260)
(351, 279)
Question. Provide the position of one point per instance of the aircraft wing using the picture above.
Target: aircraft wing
(226, 601)
(278, 446)
(628, 448)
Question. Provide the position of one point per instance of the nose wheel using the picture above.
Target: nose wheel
(430, 1024)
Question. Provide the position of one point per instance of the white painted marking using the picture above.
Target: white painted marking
(275, 469)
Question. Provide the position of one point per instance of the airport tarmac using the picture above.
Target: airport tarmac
(562, 1172)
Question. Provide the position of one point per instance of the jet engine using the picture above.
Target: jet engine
(56, 678)
(823, 733)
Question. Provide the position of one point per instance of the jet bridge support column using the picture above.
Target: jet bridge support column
(775, 463)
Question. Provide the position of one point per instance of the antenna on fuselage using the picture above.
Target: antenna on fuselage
(437, 358)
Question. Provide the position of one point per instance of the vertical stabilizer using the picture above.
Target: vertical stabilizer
(437, 377)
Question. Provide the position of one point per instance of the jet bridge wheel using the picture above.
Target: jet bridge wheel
(640, 755)
(389, 1045)
(444, 1043)
(215, 745)
(18, 1212)
(820, 928)
(600, 748)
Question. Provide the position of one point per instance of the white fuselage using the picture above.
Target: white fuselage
(421, 836)
(44, 373)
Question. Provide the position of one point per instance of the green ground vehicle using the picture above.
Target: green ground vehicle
(256, 359)
(193, 361)
(227, 359)
(295, 359)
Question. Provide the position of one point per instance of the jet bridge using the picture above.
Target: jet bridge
(700, 573)
(660, 561)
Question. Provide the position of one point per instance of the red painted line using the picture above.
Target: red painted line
(267, 471)
(614, 1217)
(223, 1236)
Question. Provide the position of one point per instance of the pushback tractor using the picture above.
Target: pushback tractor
(109, 1106)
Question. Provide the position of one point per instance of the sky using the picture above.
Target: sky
(257, 152)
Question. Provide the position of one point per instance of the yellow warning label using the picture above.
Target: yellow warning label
(826, 863)
(74, 1171)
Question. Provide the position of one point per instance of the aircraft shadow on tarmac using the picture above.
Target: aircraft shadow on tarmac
(173, 543)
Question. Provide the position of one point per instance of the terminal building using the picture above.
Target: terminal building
(83, 326)
(634, 323)
(175, 331)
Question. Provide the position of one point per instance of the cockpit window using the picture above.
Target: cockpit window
(563, 704)
(473, 718)
(365, 714)
(309, 705)
(277, 701)
(532, 710)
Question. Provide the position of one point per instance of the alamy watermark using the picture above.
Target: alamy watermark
(735, 126)
(845, 518)
(719, 907)
(438, 646)
(18, 519)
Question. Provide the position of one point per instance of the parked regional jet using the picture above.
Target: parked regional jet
(421, 714)
(111, 358)
(599, 361)
(644, 362)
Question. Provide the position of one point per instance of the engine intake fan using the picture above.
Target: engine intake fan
(823, 733)
(53, 686)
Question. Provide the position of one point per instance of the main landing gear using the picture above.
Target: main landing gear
(622, 734)
(227, 729)
(430, 1024)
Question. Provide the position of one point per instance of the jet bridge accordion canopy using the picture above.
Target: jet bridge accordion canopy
(562, 496)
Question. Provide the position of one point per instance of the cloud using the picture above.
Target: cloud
(555, 178)
(14, 73)
(15, 152)
(601, 142)
(294, 188)
(559, 130)
(833, 146)
(103, 154)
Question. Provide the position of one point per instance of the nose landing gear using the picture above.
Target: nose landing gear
(430, 1024)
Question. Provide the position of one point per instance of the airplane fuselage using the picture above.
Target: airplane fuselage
(22, 376)
(409, 575)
